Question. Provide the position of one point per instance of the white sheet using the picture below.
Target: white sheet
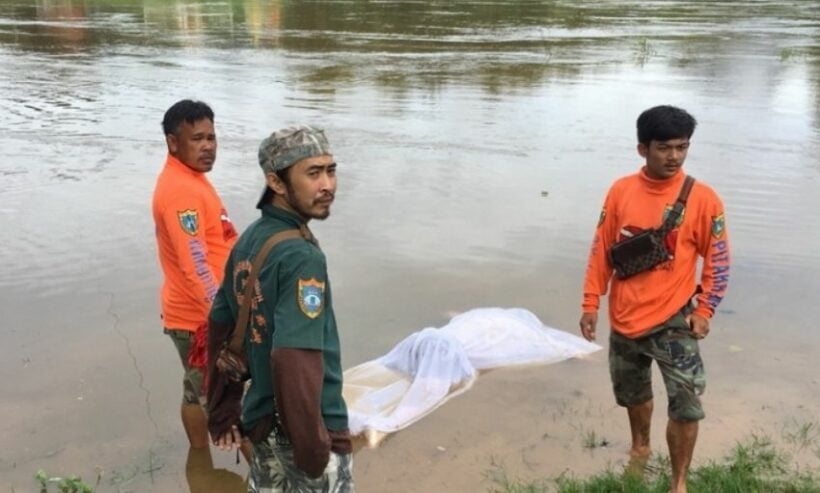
(433, 365)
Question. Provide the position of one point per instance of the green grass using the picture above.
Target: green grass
(754, 466)
(591, 440)
(69, 484)
(801, 434)
(504, 484)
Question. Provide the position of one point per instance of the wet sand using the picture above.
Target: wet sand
(80, 409)
(535, 423)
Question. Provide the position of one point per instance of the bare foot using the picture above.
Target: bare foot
(636, 466)
(638, 458)
(640, 452)
(679, 489)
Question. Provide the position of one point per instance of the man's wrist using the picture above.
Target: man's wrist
(591, 303)
(703, 312)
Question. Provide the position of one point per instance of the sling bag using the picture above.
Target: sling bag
(231, 360)
(647, 249)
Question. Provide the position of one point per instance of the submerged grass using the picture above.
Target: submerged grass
(592, 440)
(68, 484)
(801, 434)
(754, 466)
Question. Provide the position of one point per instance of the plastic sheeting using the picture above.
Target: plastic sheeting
(433, 365)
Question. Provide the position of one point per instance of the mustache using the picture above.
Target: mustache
(326, 196)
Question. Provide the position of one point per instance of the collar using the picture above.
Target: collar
(290, 219)
(270, 210)
(662, 186)
(179, 166)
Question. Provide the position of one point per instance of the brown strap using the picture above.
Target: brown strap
(674, 214)
(685, 189)
(238, 336)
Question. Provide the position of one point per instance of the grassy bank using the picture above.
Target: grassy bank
(754, 466)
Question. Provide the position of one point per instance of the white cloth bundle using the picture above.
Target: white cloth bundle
(433, 365)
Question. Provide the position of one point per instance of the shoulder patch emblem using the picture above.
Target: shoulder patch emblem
(602, 217)
(189, 220)
(718, 226)
(310, 293)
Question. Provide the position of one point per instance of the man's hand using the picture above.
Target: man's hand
(698, 325)
(588, 323)
(229, 440)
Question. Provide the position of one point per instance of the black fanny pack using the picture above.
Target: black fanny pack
(647, 249)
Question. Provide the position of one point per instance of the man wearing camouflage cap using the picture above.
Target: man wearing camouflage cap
(293, 410)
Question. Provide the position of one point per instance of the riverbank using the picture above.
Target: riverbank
(537, 423)
(531, 423)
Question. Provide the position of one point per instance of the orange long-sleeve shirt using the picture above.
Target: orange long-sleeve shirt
(637, 202)
(194, 238)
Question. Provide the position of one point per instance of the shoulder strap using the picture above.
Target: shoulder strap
(685, 189)
(238, 336)
(677, 209)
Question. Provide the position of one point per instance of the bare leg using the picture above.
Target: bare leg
(640, 421)
(196, 425)
(247, 450)
(197, 469)
(681, 437)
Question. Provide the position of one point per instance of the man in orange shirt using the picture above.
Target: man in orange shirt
(194, 238)
(653, 314)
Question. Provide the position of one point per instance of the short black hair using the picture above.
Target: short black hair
(665, 123)
(186, 110)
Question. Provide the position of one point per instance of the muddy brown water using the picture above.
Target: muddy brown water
(475, 142)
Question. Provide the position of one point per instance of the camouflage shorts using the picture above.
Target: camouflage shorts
(274, 471)
(673, 347)
(192, 378)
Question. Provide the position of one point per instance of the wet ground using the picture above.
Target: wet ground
(475, 140)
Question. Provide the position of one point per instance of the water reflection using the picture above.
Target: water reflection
(399, 44)
(204, 478)
(68, 30)
(449, 118)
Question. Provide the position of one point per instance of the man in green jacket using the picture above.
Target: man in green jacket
(293, 410)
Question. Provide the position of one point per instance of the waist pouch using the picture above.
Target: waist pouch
(638, 253)
(647, 249)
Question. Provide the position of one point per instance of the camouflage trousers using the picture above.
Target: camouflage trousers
(676, 351)
(192, 378)
(274, 471)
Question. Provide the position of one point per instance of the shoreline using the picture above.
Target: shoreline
(576, 429)
(531, 422)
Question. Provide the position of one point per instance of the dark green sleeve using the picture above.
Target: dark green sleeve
(299, 317)
(221, 308)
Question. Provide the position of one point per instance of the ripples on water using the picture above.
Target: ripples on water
(476, 141)
(468, 109)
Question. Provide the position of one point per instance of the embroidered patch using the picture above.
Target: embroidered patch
(189, 220)
(310, 293)
(602, 217)
(680, 218)
(718, 226)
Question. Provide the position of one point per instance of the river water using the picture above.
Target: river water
(475, 143)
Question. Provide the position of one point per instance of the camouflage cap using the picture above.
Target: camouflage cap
(285, 147)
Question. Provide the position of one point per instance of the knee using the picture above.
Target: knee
(686, 410)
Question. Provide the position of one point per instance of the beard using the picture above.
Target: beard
(311, 208)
